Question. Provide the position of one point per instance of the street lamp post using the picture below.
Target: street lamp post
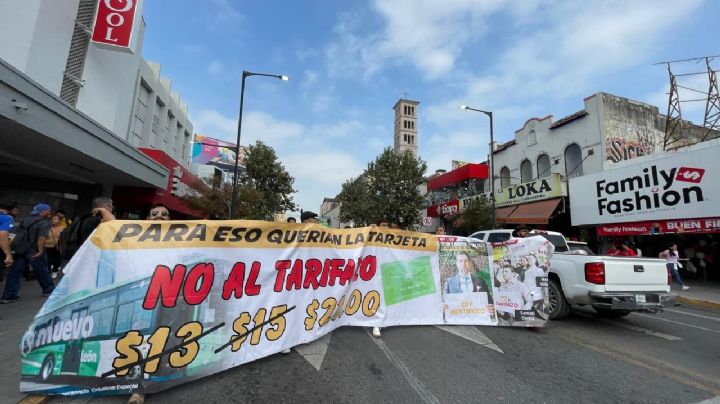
(492, 159)
(245, 74)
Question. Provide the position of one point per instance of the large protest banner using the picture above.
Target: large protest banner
(148, 305)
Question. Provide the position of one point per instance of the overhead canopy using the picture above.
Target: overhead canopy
(43, 137)
(529, 213)
(466, 172)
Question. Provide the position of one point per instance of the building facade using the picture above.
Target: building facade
(406, 126)
(51, 66)
(608, 131)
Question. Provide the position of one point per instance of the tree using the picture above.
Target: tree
(270, 181)
(356, 202)
(212, 199)
(478, 215)
(264, 189)
(387, 190)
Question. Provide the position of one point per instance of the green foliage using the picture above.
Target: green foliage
(387, 190)
(263, 189)
(356, 202)
(265, 186)
(478, 215)
(213, 200)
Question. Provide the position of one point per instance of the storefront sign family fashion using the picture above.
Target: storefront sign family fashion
(674, 187)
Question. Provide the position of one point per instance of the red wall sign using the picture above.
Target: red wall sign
(114, 22)
(444, 209)
(704, 225)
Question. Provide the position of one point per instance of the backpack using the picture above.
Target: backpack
(23, 241)
(71, 238)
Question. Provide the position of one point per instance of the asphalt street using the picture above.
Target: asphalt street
(673, 357)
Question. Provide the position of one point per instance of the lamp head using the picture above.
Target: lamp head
(284, 78)
(464, 107)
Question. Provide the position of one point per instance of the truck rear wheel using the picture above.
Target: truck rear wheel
(611, 313)
(559, 307)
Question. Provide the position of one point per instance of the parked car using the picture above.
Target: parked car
(613, 286)
(493, 236)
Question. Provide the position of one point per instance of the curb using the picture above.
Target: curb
(698, 303)
(34, 399)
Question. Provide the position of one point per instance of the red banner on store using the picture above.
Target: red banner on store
(702, 225)
(449, 208)
(114, 22)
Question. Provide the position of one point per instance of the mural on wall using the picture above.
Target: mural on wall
(631, 129)
(631, 142)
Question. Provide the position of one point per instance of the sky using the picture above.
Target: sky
(350, 61)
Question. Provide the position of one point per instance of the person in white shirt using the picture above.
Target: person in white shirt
(532, 273)
(671, 261)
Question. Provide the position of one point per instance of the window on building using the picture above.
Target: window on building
(532, 138)
(573, 161)
(543, 166)
(136, 135)
(526, 174)
(412, 111)
(405, 139)
(504, 177)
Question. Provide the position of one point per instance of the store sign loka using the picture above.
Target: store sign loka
(114, 21)
(538, 190)
(679, 186)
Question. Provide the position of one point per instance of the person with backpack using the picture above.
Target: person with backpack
(28, 248)
(82, 227)
(6, 221)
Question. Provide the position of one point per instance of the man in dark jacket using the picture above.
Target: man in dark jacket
(29, 249)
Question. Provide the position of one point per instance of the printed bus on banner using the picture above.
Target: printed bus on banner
(78, 339)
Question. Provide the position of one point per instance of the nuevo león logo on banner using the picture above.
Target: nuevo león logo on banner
(653, 189)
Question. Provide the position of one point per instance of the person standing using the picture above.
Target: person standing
(620, 248)
(51, 245)
(384, 224)
(671, 261)
(6, 221)
(29, 249)
(159, 212)
(440, 231)
(522, 231)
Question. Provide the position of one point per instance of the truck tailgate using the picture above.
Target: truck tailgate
(635, 274)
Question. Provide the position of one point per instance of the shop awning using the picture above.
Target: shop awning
(502, 214)
(531, 213)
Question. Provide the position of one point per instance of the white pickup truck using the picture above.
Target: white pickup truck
(613, 286)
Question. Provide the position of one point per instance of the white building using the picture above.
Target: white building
(406, 126)
(531, 171)
(88, 114)
(49, 41)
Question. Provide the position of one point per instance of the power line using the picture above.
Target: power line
(686, 60)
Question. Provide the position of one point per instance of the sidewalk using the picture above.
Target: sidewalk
(701, 294)
(14, 320)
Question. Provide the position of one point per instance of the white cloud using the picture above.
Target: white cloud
(216, 68)
(262, 126)
(577, 43)
(329, 168)
(318, 167)
(225, 12)
(426, 33)
(210, 122)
